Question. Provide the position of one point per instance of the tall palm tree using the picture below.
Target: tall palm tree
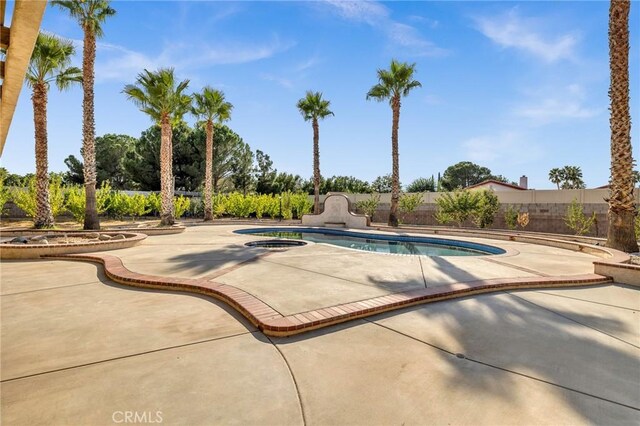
(393, 84)
(50, 61)
(556, 175)
(210, 106)
(622, 209)
(90, 14)
(313, 107)
(158, 95)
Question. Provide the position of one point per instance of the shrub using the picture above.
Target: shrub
(408, 203)
(180, 206)
(370, 205)
(75, 202)
(137, 206)
(76, 199)
(219, 204)
(523, 219)
(25, 198)
(273, 207)
(240, 206)
(511, 217)
(637, 226)
(458, 206)
(4, 195)
(286, 210)
(118, 205)
(154, 203)
(261, 204)
(576, 220)
(301, 205)
(485, 212)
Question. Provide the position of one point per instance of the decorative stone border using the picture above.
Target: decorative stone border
(168, 230)
(35, 251)
(272, 323)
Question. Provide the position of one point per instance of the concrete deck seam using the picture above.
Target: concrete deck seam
(589, 301)
(319, 273)
(51, 288)
(569, 318)
(506, 370)
(293, 378)
(89, 364)
(519, 268)
(215, 274)
(424, 279)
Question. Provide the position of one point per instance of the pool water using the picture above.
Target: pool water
(379, 243)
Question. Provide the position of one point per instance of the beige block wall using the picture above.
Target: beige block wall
(546, 208)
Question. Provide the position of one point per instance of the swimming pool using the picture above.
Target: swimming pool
(379, 243)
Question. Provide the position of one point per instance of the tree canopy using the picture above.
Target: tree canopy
(464, 174)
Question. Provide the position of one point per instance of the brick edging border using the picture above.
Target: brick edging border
(273, 323)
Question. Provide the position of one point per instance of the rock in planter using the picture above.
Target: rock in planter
(119, 237)
(104, 237)
(19, 240)
(38, 238)
(93, 235)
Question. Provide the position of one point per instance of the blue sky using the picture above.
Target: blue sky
(519, 87)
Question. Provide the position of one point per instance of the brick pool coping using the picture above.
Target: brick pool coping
(273, 323)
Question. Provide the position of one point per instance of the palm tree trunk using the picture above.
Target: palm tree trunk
(91, 220)
(166, 172)
(316, 167)
(208, 174)
(43, 217)
(395, 170)
(621, 233)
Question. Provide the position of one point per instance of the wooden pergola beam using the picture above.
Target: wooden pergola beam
(25, 27)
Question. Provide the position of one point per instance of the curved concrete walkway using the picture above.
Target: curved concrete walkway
(80, 349)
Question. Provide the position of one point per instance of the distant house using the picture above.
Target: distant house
(496, 186)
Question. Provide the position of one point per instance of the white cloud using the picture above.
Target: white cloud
(121, 64)
(513, 31)
(407, 36)
(497, 149)
(565, 103)
(370, 12)
(307, 64)
(284, 82)
(378, 16)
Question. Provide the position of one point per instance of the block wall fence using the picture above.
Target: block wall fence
(546, 208)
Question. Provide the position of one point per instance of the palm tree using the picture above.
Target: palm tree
(572, 178)
(313, 107)
(210, 105)
(622, 209)
(556, 176)
(90, 14)
(393, 84)
(158, 95)
(50, 61)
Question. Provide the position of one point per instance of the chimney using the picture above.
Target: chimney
(524, 182)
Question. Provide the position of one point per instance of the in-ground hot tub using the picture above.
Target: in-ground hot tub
(379, 243)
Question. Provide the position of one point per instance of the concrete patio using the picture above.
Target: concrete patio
(78, 348)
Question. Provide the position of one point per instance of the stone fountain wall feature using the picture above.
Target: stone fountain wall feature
(337, 213)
